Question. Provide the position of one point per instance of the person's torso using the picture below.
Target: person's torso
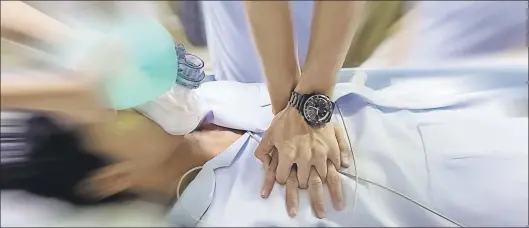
(230, 43)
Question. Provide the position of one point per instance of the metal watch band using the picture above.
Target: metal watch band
(296, 101)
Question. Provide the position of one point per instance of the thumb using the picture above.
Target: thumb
(264, 148)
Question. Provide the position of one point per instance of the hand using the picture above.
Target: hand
(315, 182)
(300, 144)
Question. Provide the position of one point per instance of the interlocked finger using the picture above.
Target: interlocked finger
(303, 166)
(270, 174)
(292, 193)
(319, 161)
(334, 184)
(285, 163)
(334, 153)
(264, 148)
(316, 193)
(345, 151)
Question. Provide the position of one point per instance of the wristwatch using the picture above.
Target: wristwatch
(315, 108)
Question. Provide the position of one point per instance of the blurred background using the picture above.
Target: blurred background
(183, 19)
(379, 21)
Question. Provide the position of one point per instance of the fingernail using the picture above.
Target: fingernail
(341, 206)
(320, 214)
(292, 212)
(263, 194)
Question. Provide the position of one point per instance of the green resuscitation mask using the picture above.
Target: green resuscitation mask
(133, 59)
(152, 63)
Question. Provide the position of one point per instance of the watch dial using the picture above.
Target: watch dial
(317, 109)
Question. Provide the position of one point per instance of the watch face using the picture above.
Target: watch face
(317, 109)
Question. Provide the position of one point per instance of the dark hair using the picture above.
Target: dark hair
(52, 164)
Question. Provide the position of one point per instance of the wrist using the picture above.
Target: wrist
(278, 108)
(313, 87)
(280, 94)
(290, 110)
(318, 78)
(316, 109)
(280, 103)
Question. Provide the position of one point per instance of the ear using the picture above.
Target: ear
(108, 181)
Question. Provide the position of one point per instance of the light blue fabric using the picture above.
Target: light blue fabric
(189, 210)
(230, 43)
(379, 78)
(462, 29)
(444, 31)
(461, 153)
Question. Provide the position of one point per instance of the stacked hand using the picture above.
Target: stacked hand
(299, 155)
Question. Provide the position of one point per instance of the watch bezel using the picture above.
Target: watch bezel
(318, 122)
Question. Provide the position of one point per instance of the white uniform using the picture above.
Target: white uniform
(448, 30)
(230, 44)
(454, 145)
(442, 31)
(439, 31)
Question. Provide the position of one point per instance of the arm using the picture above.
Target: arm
(333, 27)
(271, 26)
(22, 18)
(76, 101)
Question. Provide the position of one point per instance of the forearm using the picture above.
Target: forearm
(333, 27)
(22, 18)
(76, 102)
(272, 30)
